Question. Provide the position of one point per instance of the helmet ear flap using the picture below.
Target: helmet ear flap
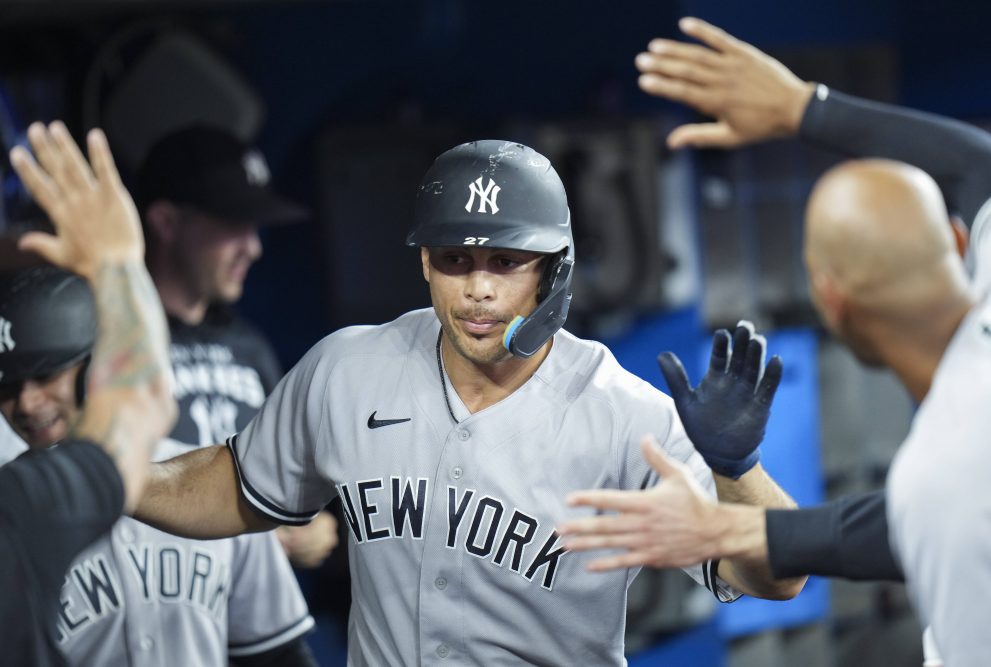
(552, 267)
(81, 381)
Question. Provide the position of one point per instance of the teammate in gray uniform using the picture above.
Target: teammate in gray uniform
(138, 596)
(454, 434)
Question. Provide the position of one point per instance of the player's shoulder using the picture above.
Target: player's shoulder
(588, 370)
(397, 338)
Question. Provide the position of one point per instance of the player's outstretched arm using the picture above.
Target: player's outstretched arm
(676, 524)
(129, 404)
(753, 97)
(197, 495)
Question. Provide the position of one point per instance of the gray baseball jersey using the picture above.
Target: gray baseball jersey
(939, 508)
(452, 544)
(937, 484)
(139, 596)
(978, 257)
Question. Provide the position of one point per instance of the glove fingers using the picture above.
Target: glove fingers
(741, 338)
(753, 366)
(674, 373)
(720, 351)
(772, 378)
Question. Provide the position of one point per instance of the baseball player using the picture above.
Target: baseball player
(453, 434)
(52, 504)
(139, 596)
(897, 293)
(203, 195)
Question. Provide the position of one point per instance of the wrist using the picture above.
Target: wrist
(794, 111)
(732, 468)
(743, 532)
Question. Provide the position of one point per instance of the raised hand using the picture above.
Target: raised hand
(94, 217)
(752, 96)
(725, 416)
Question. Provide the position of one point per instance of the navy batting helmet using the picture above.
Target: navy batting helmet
(500, 194)
(47, 322)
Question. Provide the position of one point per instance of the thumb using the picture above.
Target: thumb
(663, 464)
(45, 245)
(675, 375)
(702, 135)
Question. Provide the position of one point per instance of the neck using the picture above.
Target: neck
(178, 299)
(482, 385)
(913, 351)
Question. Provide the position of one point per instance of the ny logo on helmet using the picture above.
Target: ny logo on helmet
(486, 195)
(6, 340)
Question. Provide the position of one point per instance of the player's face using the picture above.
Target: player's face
(213, 255)
(476, 292)
(42, 410)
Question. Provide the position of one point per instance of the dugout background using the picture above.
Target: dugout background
(350, 100)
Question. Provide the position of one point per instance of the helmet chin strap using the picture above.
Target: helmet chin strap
(525, 335)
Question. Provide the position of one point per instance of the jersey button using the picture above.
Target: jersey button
(457, 472)
(464, 434)
(440, 583)
(146, 643)
(443, 650)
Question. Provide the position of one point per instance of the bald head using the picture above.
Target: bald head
(879, 230)
(884, 266)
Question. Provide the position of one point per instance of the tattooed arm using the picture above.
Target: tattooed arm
(129, 404)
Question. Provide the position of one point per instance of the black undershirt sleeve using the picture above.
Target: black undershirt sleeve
(53, 503)
(847, 538)
(295, 653)
(58, 501)
(956, 154)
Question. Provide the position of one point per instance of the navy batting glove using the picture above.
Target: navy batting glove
(725, 416)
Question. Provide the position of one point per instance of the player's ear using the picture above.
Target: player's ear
(162, 220)
(829, 300)
(425, 261)
(960, 234)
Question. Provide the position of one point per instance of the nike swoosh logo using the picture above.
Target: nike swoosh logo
(379, 423)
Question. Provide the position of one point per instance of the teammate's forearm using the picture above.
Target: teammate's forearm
(748, 568)
(197, 495)
(743, 546)
(129, 403)
(754, 487)
(956, 154)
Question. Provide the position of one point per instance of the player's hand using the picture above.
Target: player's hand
(725, 416)
(308, 546)
(94, 217)
(752, 96)
(672, 524)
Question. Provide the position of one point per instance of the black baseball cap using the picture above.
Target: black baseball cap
(211, 170)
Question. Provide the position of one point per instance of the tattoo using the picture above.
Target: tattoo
(132, 346)
(130, 355)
